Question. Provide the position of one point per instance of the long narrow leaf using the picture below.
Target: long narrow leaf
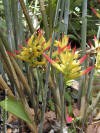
(16, 108)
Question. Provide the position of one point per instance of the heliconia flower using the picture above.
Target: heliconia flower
(96, 49)
(32, 52)
(69, 65)
(63, 59)
(96, 13)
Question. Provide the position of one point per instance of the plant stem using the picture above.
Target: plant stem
(29, 21)
(72, 27)
(56, 96)
(8, 21)
(62, 10)
(91, 77)
(18, 85)
(82, 91)
(57, 13)
(15, 22)
(44, 18)
(45, 88)
(6, 87)
(91, 108)
(61, 87)
(5, 42)
(66, 15)
(21, 32)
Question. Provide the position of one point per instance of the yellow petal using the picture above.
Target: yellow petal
(30, 41)
(58, 67)
(76, 69)
(64, 40)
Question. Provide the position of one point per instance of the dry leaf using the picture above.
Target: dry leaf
(91, 129)
(49, 119)
(97, 116)
(98, 130)
(76, 112)
(9, 130)
(11, 118)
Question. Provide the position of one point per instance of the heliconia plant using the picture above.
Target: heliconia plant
(33, 87)
(36, 46)
(96, 49)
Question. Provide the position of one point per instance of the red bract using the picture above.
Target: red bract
(16, 51)
(20, 46)
(69, 46)
(48, 58)
(63, 47)
(94, 37)
(83, 58)
(59, 49)
(74, 49)
(94, 11)
(40, 33)
(46, 49)
(25, 42)
(87, 70)
(43, 43)
(9, 53)
(90, 43)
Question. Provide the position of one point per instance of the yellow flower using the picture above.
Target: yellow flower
(68, 64)
(96, 49)
(32, 53)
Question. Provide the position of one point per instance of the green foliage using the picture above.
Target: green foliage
(74, 3)
(73, 37)
(14, 107)
(1, 9)
(51, 105)
(68, 99)
(68, 96)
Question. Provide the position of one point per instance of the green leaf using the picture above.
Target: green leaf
(14, 107)
(72, 36)
(68, 97)
(69, 108)
(51, 105)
